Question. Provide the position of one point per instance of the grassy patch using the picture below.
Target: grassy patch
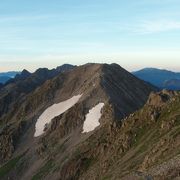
(4, 170)
(177, 122)
(61, 148)
(44, 170)
(87, 162)
(106, 178)
(140, 134)
(59, 165)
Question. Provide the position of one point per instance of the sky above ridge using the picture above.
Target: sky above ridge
(48, 33)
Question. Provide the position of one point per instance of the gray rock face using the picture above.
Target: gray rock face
(126, 92)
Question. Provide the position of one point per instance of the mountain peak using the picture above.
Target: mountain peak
(25, 73)
(65, 67)
(19, 77)
(56, 116)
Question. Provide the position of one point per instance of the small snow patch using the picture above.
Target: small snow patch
(53, 111)
(92, 118)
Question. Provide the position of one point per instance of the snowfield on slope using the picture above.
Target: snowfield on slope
(92, 118)
(52, 112)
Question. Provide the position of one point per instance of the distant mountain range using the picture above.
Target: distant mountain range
(5, 76)
(163, 79)
(14, 76)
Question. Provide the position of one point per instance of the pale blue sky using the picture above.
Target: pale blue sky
(47, 33)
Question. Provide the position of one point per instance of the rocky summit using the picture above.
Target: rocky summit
(95, 121)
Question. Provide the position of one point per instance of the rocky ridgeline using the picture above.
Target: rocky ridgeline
(63, 150)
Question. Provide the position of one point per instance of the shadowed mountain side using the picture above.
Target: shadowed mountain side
(16, 89)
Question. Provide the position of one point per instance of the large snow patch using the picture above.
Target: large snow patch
(53, 111)
(92, 118)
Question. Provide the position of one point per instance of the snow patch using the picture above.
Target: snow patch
(53, 111)
(92, 118)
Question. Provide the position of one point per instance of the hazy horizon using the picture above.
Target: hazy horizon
(130, 70)
(134, 34)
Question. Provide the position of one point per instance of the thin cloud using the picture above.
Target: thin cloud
(25, 17)
(148, 27)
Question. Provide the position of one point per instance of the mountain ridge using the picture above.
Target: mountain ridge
(125, 144)
(117, 90)
(23, 84)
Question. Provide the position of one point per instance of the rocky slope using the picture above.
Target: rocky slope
(145, 145)
(64, 151)
(16, 89)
